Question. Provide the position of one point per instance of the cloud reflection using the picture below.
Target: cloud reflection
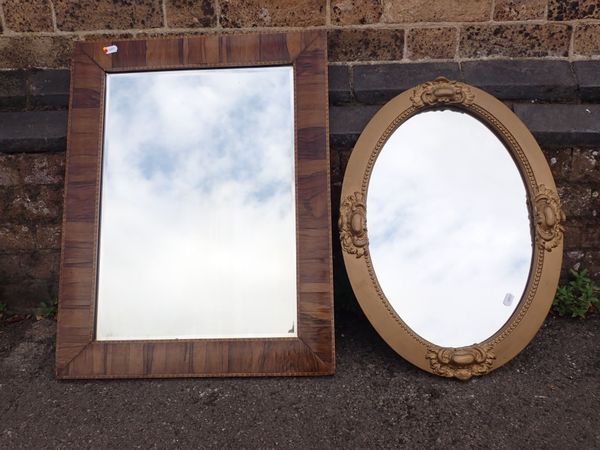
(198, 222)
(449, 232)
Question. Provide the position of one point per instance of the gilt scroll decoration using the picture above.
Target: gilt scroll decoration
(441, 91)
(549, 218)
(461, 363)
(353, 225)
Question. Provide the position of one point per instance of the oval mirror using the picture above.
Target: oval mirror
(460, 261)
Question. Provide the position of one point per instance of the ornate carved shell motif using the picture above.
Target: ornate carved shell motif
(549, 218)
(462, 363)
(441, 91)
(353, 225)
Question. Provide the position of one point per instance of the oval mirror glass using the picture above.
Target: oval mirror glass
(449, 231)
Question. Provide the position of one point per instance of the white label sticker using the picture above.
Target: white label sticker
(110, 49)
(508, 299)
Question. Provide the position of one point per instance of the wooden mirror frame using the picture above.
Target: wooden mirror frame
(544, 209)
(78, 354)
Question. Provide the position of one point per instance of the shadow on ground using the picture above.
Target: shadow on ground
(547, 397)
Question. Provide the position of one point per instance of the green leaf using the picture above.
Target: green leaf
(47, 310)
(578, 297)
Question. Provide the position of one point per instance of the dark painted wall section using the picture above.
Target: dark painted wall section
(558, 100)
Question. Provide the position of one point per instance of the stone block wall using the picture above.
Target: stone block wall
(33, 121)
(542, 57)
(559, 101)
(40, 33)
(31, 188)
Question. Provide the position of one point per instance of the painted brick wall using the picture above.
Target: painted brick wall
(542, 57)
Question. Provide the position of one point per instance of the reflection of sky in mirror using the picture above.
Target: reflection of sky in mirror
(449, 231)
(198, 216)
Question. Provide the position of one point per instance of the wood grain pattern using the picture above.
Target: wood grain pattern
(301, 49)
(79, 355)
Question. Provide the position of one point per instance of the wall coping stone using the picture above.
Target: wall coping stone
(526, 80)
(378, 83)
(355, 93)
(562, 125)
(33, 131)
(588, 79)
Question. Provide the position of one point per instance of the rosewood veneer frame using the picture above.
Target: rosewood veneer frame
(78, 354)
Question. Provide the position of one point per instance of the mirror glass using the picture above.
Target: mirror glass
(449, 231)
(197, 228)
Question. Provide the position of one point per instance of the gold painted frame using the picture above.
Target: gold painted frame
(545, 211)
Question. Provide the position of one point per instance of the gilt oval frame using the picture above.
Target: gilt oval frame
(545, 210)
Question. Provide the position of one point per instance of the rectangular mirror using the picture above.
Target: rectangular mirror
(197, 229)
(197, 216)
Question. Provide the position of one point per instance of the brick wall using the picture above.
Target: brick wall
(542, 57)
